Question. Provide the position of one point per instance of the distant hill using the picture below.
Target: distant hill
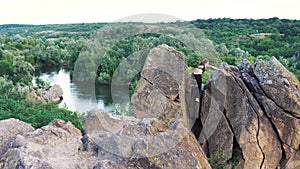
(64, 30)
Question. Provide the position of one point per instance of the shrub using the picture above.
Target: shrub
(218, 160)
(37, 115)
(229, 59)
(8, 90)
(124, 109)
(42, 114)
(40, 83)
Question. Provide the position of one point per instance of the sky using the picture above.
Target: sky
(87, 11)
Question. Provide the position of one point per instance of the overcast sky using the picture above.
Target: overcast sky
(83, 11)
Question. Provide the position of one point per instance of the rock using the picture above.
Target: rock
(149, 102)
(294, 161)
(251, 114)
(8, 130)
(161, 91)
(54, 93)
(286, 125)
(127, 142)
(243, 117)
(222, 137)
(244, 65)
(279, 84)
(110, 142)
(56, 145)
(164, 69)
(284, 120)
(191, 106)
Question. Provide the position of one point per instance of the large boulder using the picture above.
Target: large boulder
(127, 142)
(110, 142)
(56, 145)
(250, 113)
(279, 85)
(9, 129)
(161, 91)
(277, 91)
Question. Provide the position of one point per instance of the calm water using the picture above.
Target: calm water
(77, 97)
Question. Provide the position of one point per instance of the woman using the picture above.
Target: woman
(197, 72)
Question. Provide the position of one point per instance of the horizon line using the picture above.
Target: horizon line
(105, 22)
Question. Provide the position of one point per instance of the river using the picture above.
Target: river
(77, 97)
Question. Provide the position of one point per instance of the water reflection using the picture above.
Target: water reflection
(77, 97)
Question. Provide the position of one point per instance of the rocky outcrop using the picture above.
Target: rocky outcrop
(53, 94)
(157, 93)
(110, 142)
(161, 91)
(251, 113)
(127, 142)
(279, 85)
(158, 136)
(9, 129)
(56, 145)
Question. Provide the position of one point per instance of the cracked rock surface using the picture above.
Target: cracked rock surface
(251, 112)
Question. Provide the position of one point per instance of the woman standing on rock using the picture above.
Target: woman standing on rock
(197, 72)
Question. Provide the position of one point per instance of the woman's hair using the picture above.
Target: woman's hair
(203, 62)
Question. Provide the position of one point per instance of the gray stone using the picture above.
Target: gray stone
(146, 143)
(8, 130)
(53, 94)
(254, 110)
(241, 115)
(284, 86)
(56, 145)
(164, 92)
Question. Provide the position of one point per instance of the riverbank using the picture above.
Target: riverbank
(79, 97)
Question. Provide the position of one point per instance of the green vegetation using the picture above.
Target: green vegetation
(15, 104)
(102, 55)
(239, 38)
(218, 161)
(37, 115)
(123, 109)
(40, 83)
(226, 39)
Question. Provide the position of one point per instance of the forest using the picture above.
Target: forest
(101, 47)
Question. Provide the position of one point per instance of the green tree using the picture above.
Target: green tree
(22, 71)
(6, 68)
(8, 90)
(40, 83)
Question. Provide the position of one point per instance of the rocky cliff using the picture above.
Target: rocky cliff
(251, 113)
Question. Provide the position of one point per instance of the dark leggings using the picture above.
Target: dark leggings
(198, 78)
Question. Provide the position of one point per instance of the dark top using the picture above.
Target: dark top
(198, 77)
(201, 66)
